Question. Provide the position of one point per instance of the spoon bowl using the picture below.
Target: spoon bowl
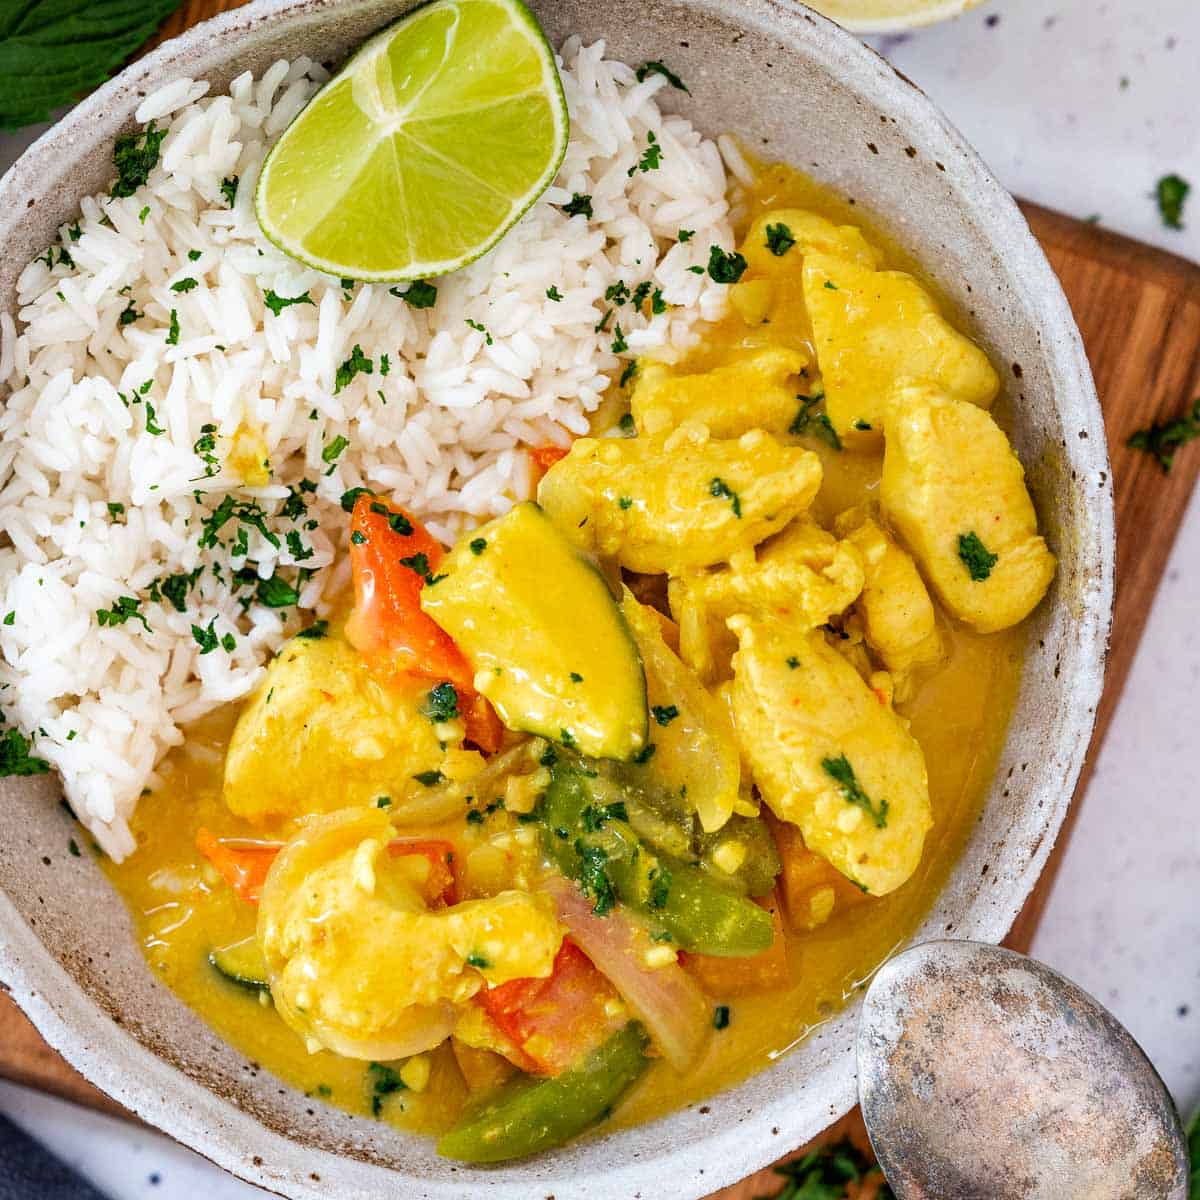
(984, 1075)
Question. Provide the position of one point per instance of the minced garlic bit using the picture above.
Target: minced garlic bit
(729, 856)
(415, 1073)
(659, 956)
(820, 906)
(362, 867)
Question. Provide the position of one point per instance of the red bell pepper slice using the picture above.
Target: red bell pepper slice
(243, 865)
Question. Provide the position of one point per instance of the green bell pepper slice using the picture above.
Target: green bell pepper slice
(593, 843)
(531, 1115)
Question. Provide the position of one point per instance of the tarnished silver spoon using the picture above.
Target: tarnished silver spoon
(984, 1075)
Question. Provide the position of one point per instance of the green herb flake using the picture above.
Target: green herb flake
(477, 960)
(429, 778)
(152, 425)
(206, 636)
(651, 158)
(441, 704)
(1171, 192)
(334, 449)
(976, 557)
(654, 67)
(824, 1173)
(73, 848)
(277, 303)
(575, 677)
(15, 758)
(382, 1081)
(660, 887)
(721, 1016)
(664, 714)
(725, 267)
(128, 315)
(421, 294)
(480, 328)
(829, 285)
(859, 423)
(619, 344)
(477, 546)
(186, 284)
(645, 754)
(143, 214)
(842, 773)
(10, 617)
(567, 738)
(123, 609)
(812, 422)
(351, 495)
(579, 206)
(173, 329)
(383, 802)
(193, 256)
(593, 877)
(317, 630)
(552, 293)
(135, 155)
(792, 662)
(357, 364)
(475, 817)
(419, 565)
(1164, 438)
(779, 239)
(626, 425)
(276, 593)
(358, 538)
(719, 489)
(685, 235)
(229, 189)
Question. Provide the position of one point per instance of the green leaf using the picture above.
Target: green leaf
(52, 51)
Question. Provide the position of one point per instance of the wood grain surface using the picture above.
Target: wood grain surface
(1139, 310)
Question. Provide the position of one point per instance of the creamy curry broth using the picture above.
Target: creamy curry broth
(958, 715)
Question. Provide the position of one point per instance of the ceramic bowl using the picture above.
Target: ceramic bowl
(891, 16)
(793, 86)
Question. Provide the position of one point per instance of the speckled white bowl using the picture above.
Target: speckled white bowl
(796, 87)
(849, 14)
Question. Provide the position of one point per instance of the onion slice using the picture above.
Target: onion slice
(664, 998)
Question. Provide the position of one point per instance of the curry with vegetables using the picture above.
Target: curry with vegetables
(608, 804)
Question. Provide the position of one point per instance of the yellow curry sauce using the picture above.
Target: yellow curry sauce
(958, 713)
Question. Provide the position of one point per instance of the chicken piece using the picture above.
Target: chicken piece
(954, 490)
(321, 733)
(359, 965)
(667, 505)
(870, 329)
(828, 755)
(897, 614)
(755, 391)
(803, 575)
(812, 234)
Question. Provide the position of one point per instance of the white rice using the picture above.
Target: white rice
(441, 432)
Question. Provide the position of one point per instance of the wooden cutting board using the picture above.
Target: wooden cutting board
(1139, 310)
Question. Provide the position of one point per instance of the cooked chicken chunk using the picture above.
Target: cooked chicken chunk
(320, 733)
(687, 501)
(955, 492)
(810, 233)
(803, 575)
(828, 755)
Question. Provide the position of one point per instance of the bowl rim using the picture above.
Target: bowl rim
(132, 1074)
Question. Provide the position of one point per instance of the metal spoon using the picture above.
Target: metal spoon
(984, 1075)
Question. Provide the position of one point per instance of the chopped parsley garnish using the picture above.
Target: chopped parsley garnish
(651, 158)
(594, 816)
(246, 512)
(638, 298)
(193, 256)
(830, 285)
(664, 714)
(859, 423)
(383, 1081)
(143, 214)
(721, 1016)
(15, 758)
(277, 303)
(152, 425)
(723, 267)
(626, 375)
(624, 502)
(173, 329)
(174, 589)
(809, 421)
(654, 67)
(619, 344)
(1171, 191)
(645, 754)
(296, 547)
(1164, 438)
(358, 363)
(72, 845)
(350, 496)
(567, 738)
(617, 293)
(593, 877)
(122, 610)
(419, 565)
(976, 557)
(358, 538)
(779, 239)
(685, 235)
(334, 449)
(475, 817)
(383, 802)
(840, 770)
(129, 314)
(276, 593)
(398, 523)
(429, 778)
(480, 328)
(318, 629)
(792, 661)
(626, 425)
(657, 304)
(552, 293)
(187, 284)
(719, 489)
(823, 1173)
(385, 366)
(478, 546)
(696, 270)
(602, 324)
(421, 294)
(660, 886)
(575, 677)
(115, 509)
(204, 446)
(229, 189)
(441, 704)
(579, 206)
(135, 156)
(10, 617)
(477, 960)
(206, 638)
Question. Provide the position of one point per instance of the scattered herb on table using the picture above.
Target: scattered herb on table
(826, 1172)
(654, 67)
(1171, 192)
(976, 557)
(1164, 438)
(725, 267)
(842, 773)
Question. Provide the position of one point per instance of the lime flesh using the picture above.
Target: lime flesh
(427, 147)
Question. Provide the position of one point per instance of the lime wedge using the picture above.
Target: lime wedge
(425, 150)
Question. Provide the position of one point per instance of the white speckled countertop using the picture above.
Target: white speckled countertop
(1081, 105)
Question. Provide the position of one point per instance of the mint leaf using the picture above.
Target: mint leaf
(53, 51)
